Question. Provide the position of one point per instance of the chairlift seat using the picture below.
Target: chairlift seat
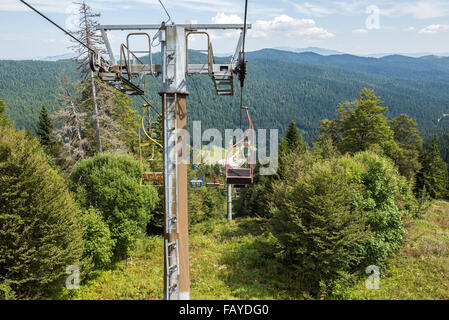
(196, 183)
(214, 184)
(153, 176)
(239, 176)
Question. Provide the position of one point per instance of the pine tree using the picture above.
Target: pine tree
(44, 129)
(433, 175)
(410, 143)
(359, 124)
(292, 136)
(40, 235)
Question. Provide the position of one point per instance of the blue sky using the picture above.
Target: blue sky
(352, 26)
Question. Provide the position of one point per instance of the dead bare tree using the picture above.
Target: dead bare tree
(70, 120)
(88, 35)
(110, 127)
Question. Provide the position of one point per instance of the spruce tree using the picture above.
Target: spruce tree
(44, 129)
(40, 235)
(359, 124)
(406, 135)
(292, 135)
(433, 175)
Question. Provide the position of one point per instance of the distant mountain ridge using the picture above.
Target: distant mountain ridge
(281, 86)
(317, 50)
(328, 52)
(320, 51)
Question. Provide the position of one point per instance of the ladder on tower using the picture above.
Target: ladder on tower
(171, 202)
(223, 83)
(221, 74)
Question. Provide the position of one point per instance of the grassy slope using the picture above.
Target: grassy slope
(421, 269)
(230, 261)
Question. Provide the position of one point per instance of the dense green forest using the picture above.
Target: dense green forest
(280, 86)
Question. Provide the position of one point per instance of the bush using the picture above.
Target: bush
(336, 216)
(6, 293)
(111, 183)
(39, 233)
(98, 242)
(318, 228)
(383, 188)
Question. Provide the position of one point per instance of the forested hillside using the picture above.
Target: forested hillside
(281, 86)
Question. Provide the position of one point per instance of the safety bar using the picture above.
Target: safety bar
(210, 54)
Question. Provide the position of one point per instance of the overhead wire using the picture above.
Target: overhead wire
(243, 62)
(59, 27)
(90, 49)
(169, 18)
(77, 40)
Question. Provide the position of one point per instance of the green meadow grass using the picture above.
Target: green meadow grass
(234, 261)
(420, 270)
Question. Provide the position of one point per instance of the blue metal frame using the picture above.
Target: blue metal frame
(196, 176)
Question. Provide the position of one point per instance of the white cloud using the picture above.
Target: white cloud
(360, 31)
(222, 18)
(290, 27)
(426, 9)
(410, 29)
(311, 9)
(434, 29)
(420, 9)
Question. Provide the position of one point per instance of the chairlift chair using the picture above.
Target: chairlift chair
(240, 174)
(196, 176)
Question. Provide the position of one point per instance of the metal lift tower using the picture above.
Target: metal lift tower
(173, 70)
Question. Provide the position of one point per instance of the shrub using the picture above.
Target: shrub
(318, 228)
(332, 217)
(98, 242)
(111, 184)
(39, 233)
(382, 188)
(6, 293)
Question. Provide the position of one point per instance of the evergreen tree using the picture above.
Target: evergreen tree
(44, 131)
(292, 136)
(359, 124)
(433, 175)
(410, 143)
(40, 235)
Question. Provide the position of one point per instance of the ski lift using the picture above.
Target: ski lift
(196, 176)
(148, 176)
(215, 184)
(239, 169)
